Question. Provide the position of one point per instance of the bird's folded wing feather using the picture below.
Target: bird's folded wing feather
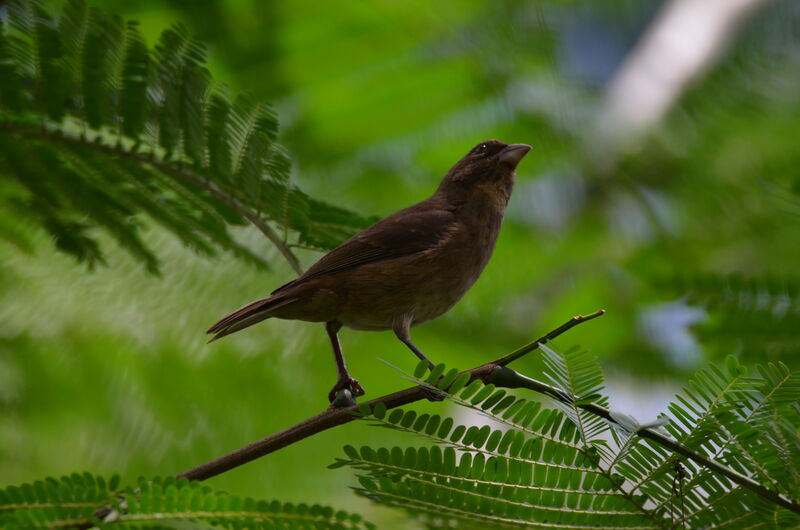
(406, 232)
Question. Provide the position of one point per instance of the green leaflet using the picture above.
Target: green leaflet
(119, 131)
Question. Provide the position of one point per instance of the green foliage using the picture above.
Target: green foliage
(97, 129)
(536, 467)
(747, 422)
(85, 499)
(745, 313)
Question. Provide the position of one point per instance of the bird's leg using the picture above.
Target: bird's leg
(344, 381)
(401, 330)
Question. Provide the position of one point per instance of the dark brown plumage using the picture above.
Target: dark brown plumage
(404, 270)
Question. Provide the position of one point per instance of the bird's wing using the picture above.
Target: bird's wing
(406, 232)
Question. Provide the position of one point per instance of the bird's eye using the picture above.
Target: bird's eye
(480, 149)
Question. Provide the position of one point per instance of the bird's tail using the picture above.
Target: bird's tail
(248, 315)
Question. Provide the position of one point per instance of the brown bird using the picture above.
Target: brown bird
(404, 270)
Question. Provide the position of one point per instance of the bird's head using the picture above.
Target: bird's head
(487, 169)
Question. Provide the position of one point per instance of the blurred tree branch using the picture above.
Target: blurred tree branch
(685, 38)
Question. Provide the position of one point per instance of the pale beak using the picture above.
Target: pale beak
(513, 153)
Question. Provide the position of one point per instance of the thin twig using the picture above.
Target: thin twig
(332, 417)
(507, 378)
(523, 350)
(178, 172)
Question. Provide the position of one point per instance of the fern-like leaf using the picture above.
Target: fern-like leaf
(536, 467)
(578, 375)
(82, 95)
(88, 500)
(534, 471)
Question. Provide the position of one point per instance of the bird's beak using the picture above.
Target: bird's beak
(513, 153)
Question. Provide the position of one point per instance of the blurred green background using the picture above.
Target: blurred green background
(663, 187)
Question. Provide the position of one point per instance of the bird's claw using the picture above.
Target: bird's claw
(353, 388)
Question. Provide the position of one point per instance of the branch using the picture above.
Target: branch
(507, 378)
(176, 171)
(333, 417)
(494, 372)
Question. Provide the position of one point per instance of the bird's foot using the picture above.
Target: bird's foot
(347, 383)
(343, 399)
